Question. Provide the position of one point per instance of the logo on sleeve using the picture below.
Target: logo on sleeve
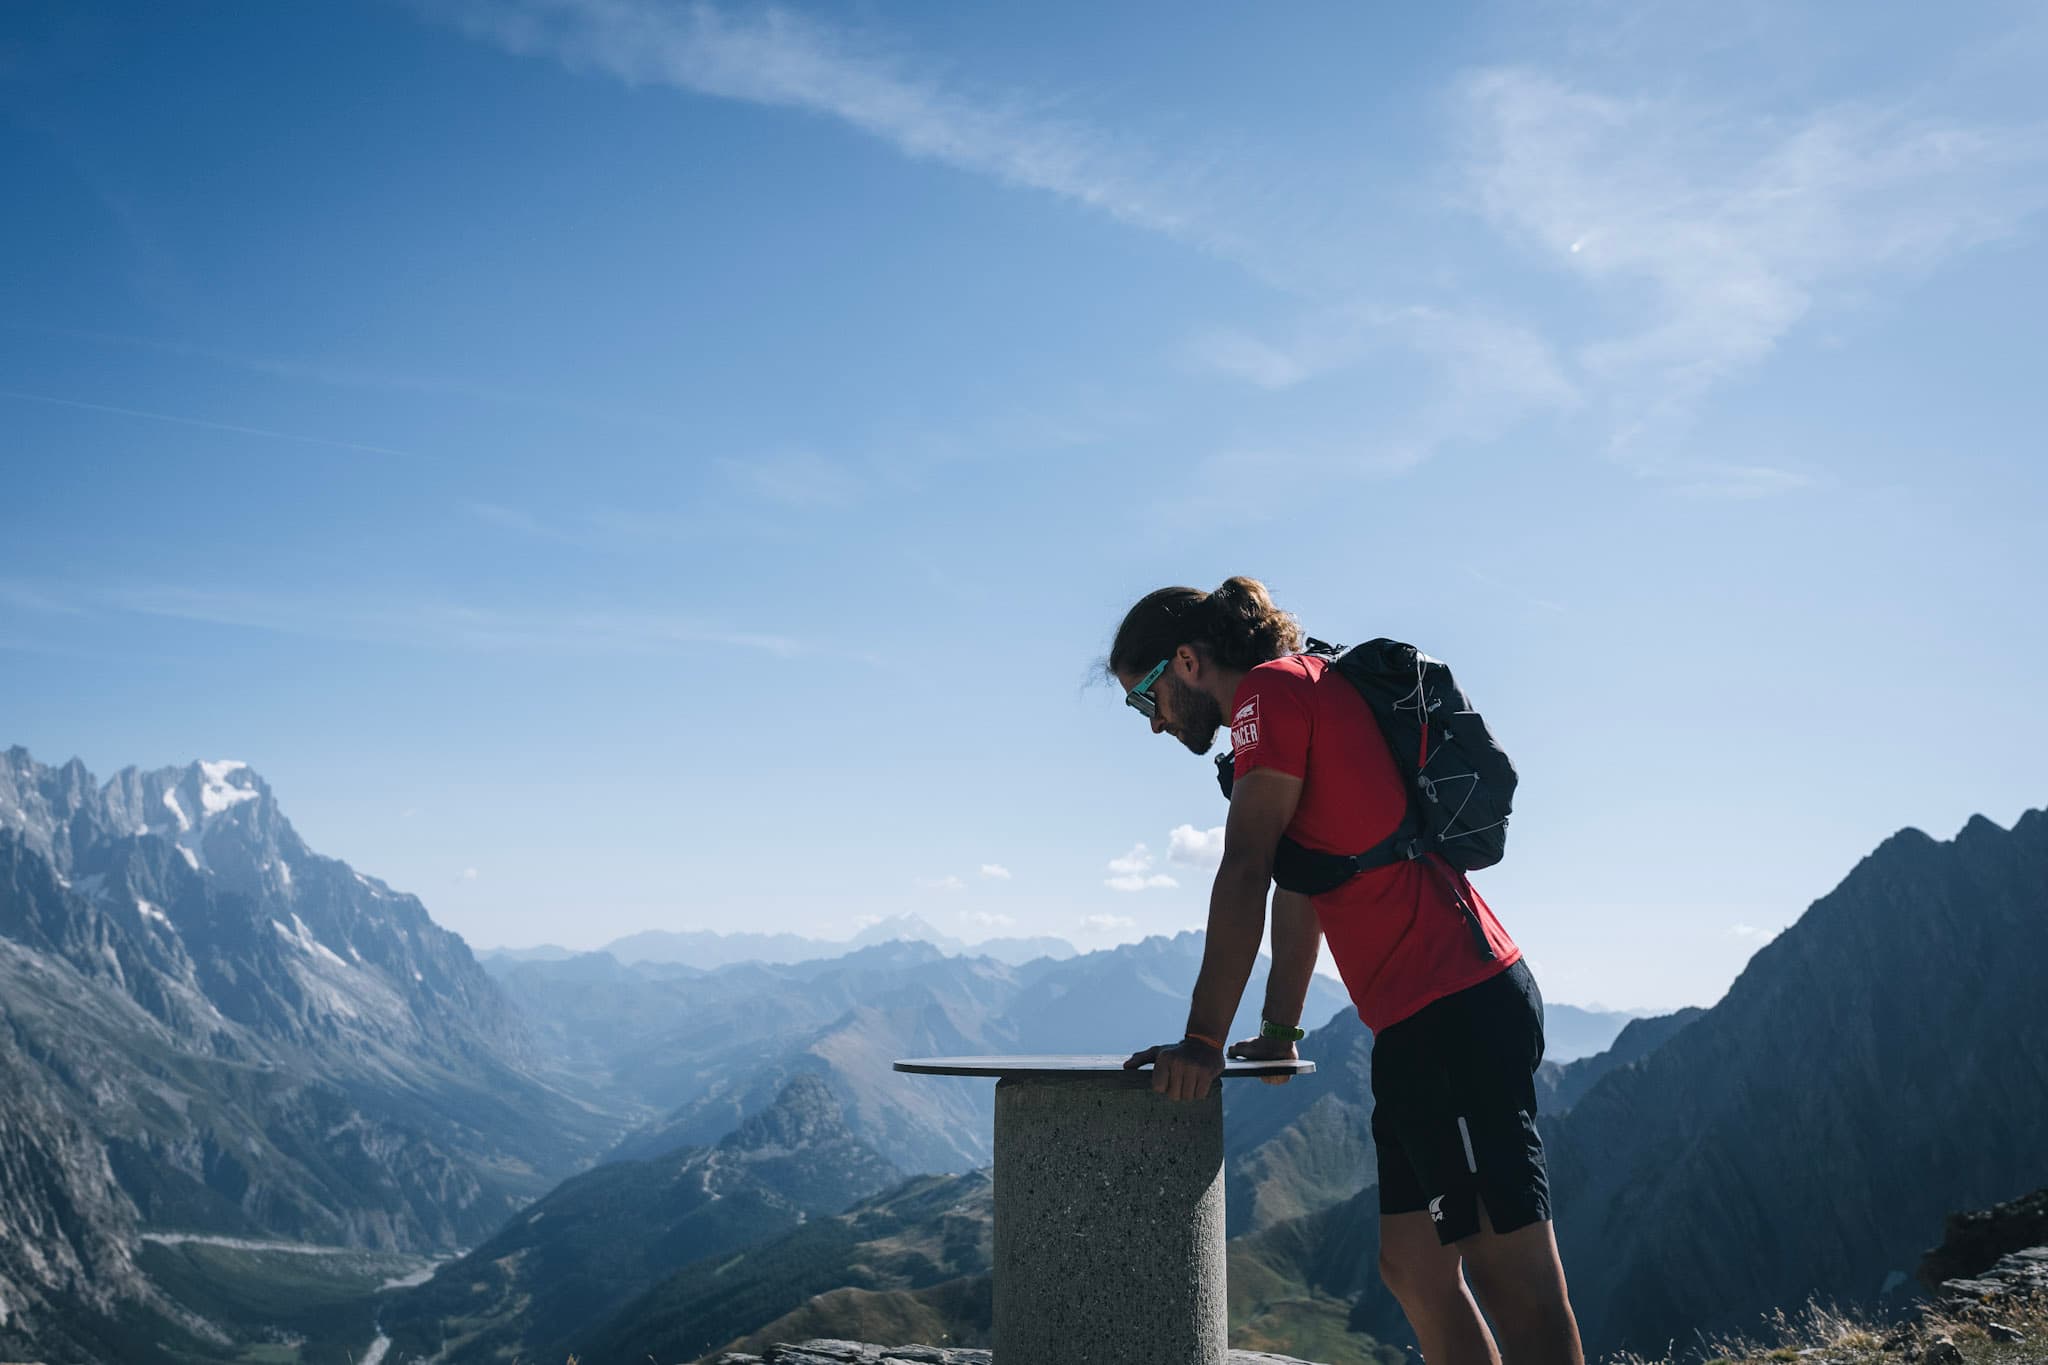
(1244, 727)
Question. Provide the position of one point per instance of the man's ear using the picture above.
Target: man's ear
(1188, 660)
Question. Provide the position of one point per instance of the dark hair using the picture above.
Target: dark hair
(1237, 626)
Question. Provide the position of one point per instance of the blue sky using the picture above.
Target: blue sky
(615, 465)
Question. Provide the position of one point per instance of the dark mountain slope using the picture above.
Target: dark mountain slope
(913, 1240)
(1884, 1060)
(1881, 1062)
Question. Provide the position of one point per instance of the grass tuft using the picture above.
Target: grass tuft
(1821, 1334)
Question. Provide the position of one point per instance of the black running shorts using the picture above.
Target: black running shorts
(1454, 1108)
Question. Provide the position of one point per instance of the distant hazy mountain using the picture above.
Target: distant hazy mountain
(216, 1030)
(571, 1260)
(544, 952)
(848, 1019)
(710, 950)
(1572, 1031)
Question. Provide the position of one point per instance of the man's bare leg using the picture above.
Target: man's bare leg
(1428, 1279)
(1520, 1280)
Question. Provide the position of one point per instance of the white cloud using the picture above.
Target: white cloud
(949, 882)
(988, 919)
(1720, 231)
(995, 872)
(468, 874)
(436, 625)
(1750, 931)
(1133, 872)
(1107, 924)
(1477, 376)
(1266, 364)
(1137, 860)
(1195, 847)
(779, 59)
(861, 922)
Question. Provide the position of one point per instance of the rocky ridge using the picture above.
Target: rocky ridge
(206, 1027)
(829, 1352)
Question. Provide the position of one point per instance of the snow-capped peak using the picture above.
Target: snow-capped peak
(216, 792)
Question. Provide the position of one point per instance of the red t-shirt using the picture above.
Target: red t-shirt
(1398, 938)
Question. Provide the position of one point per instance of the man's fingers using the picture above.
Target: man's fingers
(1138, 1059)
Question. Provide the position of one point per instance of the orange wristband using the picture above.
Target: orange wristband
(1202, 1038)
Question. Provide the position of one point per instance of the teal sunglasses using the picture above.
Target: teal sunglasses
(1140, 698)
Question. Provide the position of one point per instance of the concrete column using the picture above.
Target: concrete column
(1109, 1223)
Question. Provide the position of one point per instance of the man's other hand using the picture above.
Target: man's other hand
(1259, 1049)
(1180, 1071)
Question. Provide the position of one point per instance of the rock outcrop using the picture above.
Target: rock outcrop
(1974, 1241)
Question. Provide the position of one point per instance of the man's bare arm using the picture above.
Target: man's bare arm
(1261, 806)
(1297, 941)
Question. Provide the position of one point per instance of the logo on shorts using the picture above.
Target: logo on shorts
(1436, 1209)
(1244, 727)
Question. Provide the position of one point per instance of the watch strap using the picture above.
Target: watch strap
(1269, 1029)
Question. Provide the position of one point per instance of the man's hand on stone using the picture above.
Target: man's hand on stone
(1261, 1049)
(1180, 1071)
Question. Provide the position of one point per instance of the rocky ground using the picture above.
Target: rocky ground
(859, 1353)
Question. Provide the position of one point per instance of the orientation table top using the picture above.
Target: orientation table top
(1074, 1064)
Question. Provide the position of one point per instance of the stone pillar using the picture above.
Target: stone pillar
(1109, 1223)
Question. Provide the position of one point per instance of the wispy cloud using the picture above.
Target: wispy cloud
(203, 423)
(1752, 932)
(522, 523)
(1721, 230)
(949, 882)
(1133, 872)
(28, 597)
(345, 376)
(599, 631)
(1481, 376)
(776, 58)
(995, 872)
(795, 479)
(988, 919)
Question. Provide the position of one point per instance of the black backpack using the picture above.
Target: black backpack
(1461, 783)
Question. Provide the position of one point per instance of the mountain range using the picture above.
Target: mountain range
(214, 1041)
(1882, 1062)
(210, 1028)
(709, 949)
(702, 1051)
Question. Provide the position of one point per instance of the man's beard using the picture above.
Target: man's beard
(1199, 716)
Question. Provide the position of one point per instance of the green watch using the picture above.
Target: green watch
(1269, 1029)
